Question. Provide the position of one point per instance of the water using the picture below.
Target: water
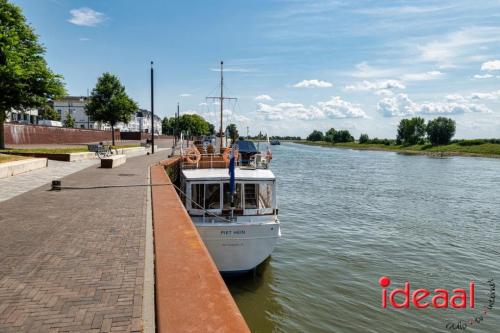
(350, 217)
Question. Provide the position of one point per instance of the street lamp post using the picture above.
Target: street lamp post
(152, 113)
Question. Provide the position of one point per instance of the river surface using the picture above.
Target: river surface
(350, 217)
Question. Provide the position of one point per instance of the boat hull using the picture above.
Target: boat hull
(239, 247)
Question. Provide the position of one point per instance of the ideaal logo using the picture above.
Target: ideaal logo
(461, 298)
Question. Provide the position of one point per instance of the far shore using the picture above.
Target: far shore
(491, 150)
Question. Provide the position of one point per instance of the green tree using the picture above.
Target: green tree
(440, 130)
(69, 121)
(168, 125)
(109, 103)
(343, 136)
(411, 131)
(25, 79)
(211, 129)
(330, 135)
(193, 124)
(364, 138)
(232, 131)
(47, 112)
(315, 136)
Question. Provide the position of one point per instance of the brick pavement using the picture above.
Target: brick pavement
(74, 260)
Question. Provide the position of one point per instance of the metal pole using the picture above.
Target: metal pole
(221, 102)
(152, 113)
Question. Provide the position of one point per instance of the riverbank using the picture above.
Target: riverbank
(453, 149)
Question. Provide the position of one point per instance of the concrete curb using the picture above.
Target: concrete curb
(13, 168)
(148, 301)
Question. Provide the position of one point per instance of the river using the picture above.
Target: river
(350, 217)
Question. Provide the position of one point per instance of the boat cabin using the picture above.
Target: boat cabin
(208, 190)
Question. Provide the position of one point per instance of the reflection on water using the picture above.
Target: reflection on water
(350, 217)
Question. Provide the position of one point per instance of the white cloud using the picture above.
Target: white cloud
(493, 65)
(401, 106)
(189, 111)
(185, 95)
(382, 85)
(456, 46)
(426, 76)
(494, 95)
(313, 84)
(365, 71)
(263, 98)
(334, 108)
(485, 76)
(86, 17)
(84, 39)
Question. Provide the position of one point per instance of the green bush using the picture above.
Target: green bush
(474, 142)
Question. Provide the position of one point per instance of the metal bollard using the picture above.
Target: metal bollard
(56, 185)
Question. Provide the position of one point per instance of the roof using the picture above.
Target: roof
(246, 146)
(223, 174)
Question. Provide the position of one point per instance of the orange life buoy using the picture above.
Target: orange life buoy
(227, 151)
(193, 156)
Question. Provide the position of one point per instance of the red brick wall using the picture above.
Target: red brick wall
(141, 136)
(36, 134)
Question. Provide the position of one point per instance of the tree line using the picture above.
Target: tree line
(332, 136)
(438, 131)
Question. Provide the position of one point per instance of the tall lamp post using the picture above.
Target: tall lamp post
(152, 113)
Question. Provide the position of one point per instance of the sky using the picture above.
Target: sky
(294, 65)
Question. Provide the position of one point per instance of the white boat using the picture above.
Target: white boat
(240, 239)
(239, 229)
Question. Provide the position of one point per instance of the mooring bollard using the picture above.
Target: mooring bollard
(56, 185)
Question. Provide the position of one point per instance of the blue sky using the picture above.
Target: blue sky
(294, 65)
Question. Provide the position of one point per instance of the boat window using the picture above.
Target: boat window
(251, 191)
(227, 196)
(212, 200)
(265, 196)
(197, 195)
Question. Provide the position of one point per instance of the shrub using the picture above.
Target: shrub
(474, 142)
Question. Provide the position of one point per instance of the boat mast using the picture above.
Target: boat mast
(221, 99)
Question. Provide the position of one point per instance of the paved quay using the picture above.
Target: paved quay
(14, 186)
(73, 261)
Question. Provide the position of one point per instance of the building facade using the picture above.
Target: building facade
(75, 106)
(23, 116)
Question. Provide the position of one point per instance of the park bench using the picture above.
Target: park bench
(101, 150)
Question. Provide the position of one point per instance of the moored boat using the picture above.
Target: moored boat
(230, 194)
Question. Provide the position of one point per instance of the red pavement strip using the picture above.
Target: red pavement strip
(191, 296)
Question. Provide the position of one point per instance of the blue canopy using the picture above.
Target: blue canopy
(246, 147)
